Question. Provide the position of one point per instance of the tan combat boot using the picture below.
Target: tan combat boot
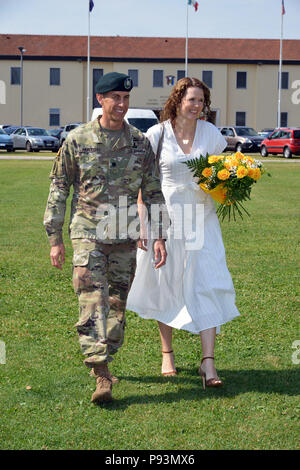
(114, 379)
(103, 384)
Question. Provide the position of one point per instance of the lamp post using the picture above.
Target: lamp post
(22, 50)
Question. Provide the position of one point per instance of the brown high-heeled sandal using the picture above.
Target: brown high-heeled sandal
(171, 373)
(213, 382)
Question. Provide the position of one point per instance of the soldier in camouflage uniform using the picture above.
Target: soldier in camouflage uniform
(107, 161)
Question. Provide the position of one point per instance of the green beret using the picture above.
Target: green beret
(114, 81)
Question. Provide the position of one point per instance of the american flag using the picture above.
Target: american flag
(282, 9)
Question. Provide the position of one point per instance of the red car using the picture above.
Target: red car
(285, 140)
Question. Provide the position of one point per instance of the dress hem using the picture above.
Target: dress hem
(155, 314)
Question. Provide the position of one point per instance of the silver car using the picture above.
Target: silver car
(34, 139)
(241, 138)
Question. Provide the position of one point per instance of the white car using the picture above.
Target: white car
(69, 127)
(142, 119)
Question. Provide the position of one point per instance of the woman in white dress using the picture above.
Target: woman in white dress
(194, 290)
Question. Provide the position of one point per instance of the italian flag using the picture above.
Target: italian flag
(194, 3)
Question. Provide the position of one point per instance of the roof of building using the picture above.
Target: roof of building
(148, 48)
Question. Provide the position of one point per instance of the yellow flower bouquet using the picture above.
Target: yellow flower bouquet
(228, 179)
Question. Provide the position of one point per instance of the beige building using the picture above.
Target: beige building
(241, 73)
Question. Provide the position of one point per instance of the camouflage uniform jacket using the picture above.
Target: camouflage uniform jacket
(99, 175)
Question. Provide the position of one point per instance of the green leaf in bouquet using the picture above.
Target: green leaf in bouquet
(233, 189)
(197, 165)
(225, 211)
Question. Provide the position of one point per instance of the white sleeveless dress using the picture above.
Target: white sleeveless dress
(194, 290)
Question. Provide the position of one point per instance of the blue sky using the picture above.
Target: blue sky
(214, 18)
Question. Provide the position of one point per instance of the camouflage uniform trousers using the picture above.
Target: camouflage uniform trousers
(102, 276)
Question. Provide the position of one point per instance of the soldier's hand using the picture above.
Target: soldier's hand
(142, 243)
(160, 253)
(57, 255)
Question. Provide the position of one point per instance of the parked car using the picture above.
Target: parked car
(55, 132)
(285, 141)
(3, 126)
(9, 130)
(34, 139)
(140, 118)
(6, 142)
(69, 127)
(266, 132)
(241, 138)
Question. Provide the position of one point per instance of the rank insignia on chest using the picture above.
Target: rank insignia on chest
(137, 148)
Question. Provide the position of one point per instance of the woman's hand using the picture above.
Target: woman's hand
(160, 252)
(142, 243)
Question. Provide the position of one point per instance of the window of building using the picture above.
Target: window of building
(54, 76)
(207, 78)
(283, 119)
(284, 80)
(54, 117)
(15, 75)
(97, 74)
(240, 118)
(180, 74)
(134, 75)
(158, 78)
(241, 79)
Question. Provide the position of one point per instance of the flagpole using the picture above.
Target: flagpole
(88, 68)
(187, 39)
(280, 73)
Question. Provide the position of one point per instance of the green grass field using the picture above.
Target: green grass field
(44, 153)
(17, 153)
(45, 389)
